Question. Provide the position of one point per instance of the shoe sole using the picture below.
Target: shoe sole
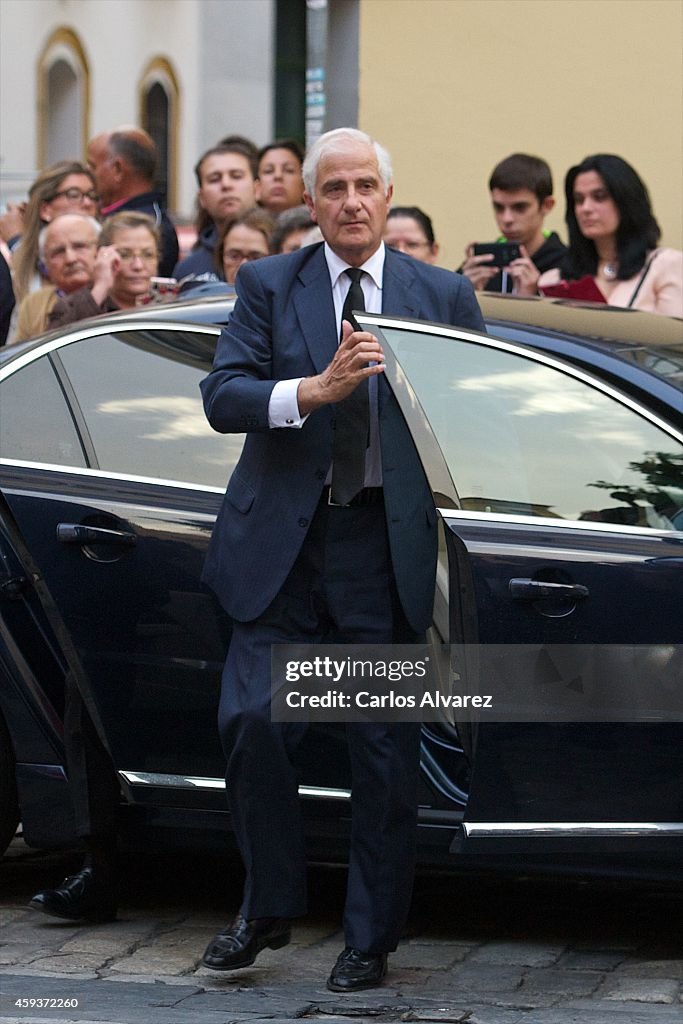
(353, 988)
(101, 918)
(276, 943)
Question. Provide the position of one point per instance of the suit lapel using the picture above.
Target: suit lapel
(312, 299)
(315, 310)
(398, 298)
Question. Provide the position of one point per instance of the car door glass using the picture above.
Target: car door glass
(35, 422)
(524, 438)
(139, 395)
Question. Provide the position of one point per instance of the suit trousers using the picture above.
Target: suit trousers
(340, 590)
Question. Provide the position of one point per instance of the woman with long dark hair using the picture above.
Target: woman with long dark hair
(613, 238)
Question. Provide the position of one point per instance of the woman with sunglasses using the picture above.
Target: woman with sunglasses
(65, 187)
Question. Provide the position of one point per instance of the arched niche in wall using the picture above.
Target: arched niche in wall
(63, 99)
(159, 112)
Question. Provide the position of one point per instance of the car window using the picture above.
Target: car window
(523, 438)
(139, 395)
(35, 422)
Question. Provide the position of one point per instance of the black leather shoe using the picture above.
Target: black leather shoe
(239, 944)
(355, 970)
(82, 897)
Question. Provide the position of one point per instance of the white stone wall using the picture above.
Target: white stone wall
(221, 51)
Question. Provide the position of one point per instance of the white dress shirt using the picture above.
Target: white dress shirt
(283, 408)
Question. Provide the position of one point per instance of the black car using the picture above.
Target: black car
(554, 447)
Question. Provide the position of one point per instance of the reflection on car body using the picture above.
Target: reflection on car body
(555, 454)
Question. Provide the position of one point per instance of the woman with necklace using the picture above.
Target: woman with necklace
(613, 239)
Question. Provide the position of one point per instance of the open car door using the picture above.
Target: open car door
(112, 479)
(561, 503)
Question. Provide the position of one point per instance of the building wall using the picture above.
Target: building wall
(453, 86)
(236, 72)
(221, 52)
(342, 63)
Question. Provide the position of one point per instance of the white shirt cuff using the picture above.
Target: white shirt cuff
(283, 408)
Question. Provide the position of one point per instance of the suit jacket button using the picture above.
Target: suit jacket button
(303, 522)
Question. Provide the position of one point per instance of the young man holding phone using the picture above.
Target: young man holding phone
(521, 189)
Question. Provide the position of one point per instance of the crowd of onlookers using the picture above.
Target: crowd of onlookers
(93, 237)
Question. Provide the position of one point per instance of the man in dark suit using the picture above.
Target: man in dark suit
(327, 533)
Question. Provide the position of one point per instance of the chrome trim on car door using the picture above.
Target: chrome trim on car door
(165, 781)
(512, 519)
(106, 474)
(323, 793)
(540, 830)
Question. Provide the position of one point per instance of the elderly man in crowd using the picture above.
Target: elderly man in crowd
(123, 163)
(67, 246)
(327, 533)
(126, 261)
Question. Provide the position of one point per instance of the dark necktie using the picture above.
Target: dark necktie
(353, 418)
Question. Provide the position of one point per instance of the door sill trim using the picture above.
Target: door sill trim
(540, 830)
(162, 780)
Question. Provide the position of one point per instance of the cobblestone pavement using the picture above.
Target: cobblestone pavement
(480, 951)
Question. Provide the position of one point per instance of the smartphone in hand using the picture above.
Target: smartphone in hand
(503, 252)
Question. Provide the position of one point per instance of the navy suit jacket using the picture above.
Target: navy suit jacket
(283, 326)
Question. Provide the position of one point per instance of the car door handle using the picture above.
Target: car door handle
(14, 587)
(539, 590)
(75, 533)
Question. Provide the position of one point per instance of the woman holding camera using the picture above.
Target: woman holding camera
(613, 238)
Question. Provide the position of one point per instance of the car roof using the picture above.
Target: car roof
(587, 320)
(580, 331)
(207, 309)
(214, 311)
(594, 336)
